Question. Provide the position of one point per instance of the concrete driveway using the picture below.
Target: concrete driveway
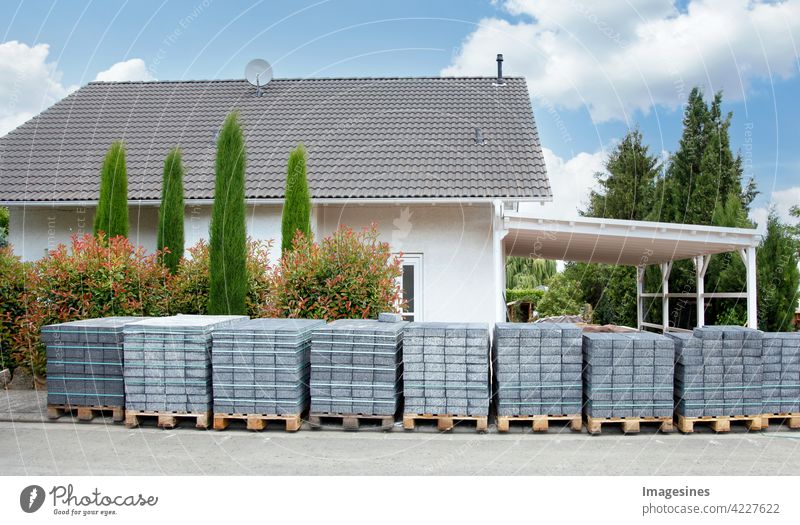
(30, 445)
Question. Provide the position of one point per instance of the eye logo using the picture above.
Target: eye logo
(31, 498)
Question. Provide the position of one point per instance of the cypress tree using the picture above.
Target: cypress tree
(778, 277)
(228, 245)
(297, 200)
(112, 206)
(170, 214)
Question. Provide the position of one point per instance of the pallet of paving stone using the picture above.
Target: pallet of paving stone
(260, 370)
(446, 370)
(629, 425)
(319, 420)
(781, 383)
(356, 370)
(718, 423)
(719, 372)
(290, 422)
(446, 422)
(168, 363)
(85, 363)
(537, 371)
(790, 419)
(541, 423)
(86, 413)
(628, 378)
(168, 420)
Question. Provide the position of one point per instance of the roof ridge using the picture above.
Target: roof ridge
(300, 79)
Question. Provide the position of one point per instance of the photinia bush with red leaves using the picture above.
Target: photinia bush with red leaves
(12, 288)
(349, 275)
(190, 284)
(95, 277)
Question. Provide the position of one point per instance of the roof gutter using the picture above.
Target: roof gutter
(324, 201)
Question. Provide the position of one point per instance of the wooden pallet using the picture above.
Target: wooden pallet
(317, 420)
(630, 425)
(792, 419)
(258, 421)
(540, 423)
(445, 422)
(86, 413)
(718, 423)
(167, 420)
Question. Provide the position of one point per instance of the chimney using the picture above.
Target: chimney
(500, 80)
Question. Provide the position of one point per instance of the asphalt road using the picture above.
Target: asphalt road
(69, 448)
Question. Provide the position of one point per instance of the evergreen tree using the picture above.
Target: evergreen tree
(778, 277)
(627, 189)
(112, 206)
(228, 244)
(171, 211)
(297, 200)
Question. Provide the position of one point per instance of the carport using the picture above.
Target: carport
(639, 244)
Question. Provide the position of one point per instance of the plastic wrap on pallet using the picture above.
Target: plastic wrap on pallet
(168, 362)
(781, 379)
(261, 366)
(85, 362)
(627, 375)
(356, 367)
(537, 369)
(446, 369)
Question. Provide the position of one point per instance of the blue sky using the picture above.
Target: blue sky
(594, 68)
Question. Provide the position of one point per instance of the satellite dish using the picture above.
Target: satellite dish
(258, 72)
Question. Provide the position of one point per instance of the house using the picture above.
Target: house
(429, 160)
(439, 164)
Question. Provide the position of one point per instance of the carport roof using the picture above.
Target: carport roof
(611, 241)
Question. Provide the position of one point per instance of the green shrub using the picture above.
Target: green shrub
(228, 246)
(525, 294)
(563, 297)
(297, 200)
(170, 213)
(112, 206)
(12, 307)
(347, 275)
(189, 286)
(3, 226)
(95, 278)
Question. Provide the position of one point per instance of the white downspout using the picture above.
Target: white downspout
(499, 232)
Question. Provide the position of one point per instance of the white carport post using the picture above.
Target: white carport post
(639, 298)
(700, 268)
(749, 258)
(666, 269)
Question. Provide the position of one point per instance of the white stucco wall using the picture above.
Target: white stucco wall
(456, 246)
(455, 242)
(33, 230)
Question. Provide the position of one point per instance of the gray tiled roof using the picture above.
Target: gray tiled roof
(366, 138)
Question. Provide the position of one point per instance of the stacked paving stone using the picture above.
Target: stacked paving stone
(446, 369)
(718, 371)
(84, 362)
(261, 366)
(781, 357)
(356, 366)
(538, 368)
(628, 375)
(168, 362)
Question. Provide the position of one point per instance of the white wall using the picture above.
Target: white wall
(455, 242)
(33, 230)
(456, 245)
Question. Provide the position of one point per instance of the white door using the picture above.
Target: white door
(411, 286)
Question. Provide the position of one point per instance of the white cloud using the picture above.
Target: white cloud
(131, 70)
(615, 57)
(28, 83)
(782, 201)
(571, 180)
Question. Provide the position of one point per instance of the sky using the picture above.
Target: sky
(594, 68)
